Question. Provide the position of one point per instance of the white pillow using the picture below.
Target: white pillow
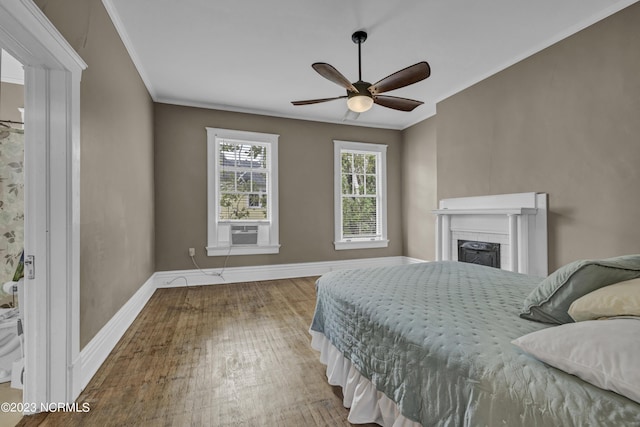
(604, 353)
(620, 299)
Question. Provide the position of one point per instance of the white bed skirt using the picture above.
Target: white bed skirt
(365, 403)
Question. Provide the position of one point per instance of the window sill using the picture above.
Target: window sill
(361, 244)
(244, 221)
(242, 250)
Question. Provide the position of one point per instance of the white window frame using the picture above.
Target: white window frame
(219, 231)
(340, 243)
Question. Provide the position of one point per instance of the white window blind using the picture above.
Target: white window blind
(243, 177)
(360, 195)
(242, 193)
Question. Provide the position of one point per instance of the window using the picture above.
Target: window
(242, 192)
(360, 195)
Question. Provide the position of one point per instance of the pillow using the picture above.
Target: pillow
(621, 299)
(549, 302)
(601, 352)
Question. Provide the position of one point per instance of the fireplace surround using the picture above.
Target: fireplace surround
(516, 222)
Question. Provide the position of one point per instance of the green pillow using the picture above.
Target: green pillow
(549, 302)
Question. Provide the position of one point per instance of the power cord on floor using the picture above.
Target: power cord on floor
(186, 283)
(186, 303)
(216, 274)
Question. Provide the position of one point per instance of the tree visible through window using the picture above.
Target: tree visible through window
(360, 195)
(242, 192)
(243, 181)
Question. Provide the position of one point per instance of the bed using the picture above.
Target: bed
(430, 344)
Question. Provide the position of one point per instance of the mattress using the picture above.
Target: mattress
(435, 338)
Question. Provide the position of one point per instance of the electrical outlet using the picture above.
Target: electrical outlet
(192, 251)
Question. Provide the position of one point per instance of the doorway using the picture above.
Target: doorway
(11, 233)
(52, 71)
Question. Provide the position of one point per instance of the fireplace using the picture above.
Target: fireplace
(483, 253)
(515, 223)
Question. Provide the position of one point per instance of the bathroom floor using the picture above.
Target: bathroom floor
(9, 395)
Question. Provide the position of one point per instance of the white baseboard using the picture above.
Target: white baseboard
(96, 351)
(180, 278)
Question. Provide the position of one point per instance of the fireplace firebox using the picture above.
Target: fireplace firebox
(483, 253)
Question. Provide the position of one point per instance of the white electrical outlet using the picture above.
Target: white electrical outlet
(192, 251)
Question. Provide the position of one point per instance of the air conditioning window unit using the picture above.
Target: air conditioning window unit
(244, 235)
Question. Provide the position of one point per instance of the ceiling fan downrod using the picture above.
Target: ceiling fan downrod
(359, 37)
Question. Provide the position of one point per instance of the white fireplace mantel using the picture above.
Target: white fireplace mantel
(512, 211)
(517, 221)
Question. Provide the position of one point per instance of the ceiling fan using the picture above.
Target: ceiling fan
(362, 95)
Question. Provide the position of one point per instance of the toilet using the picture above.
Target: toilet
(11, 344)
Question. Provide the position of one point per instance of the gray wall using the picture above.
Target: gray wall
(305, 186)
(116, 187)
(565, 121)
(419, 189)
(11, 98)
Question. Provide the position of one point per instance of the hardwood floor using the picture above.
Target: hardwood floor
(223, 355)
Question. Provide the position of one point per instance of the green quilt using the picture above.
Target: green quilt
(436, 339)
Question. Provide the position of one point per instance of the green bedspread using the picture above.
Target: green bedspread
(436, 339)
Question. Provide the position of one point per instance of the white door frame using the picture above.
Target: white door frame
(52, 201)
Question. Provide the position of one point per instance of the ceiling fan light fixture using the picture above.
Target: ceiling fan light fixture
(359, 103)
(362, 95)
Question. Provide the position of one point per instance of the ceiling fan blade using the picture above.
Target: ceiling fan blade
(328, 72)
(402, 78)
(402, 104)
(316, 101)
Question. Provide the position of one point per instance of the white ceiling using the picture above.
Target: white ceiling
(255, 55)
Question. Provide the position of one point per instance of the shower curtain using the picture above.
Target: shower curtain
(11, 204)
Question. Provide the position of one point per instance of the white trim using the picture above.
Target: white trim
(52, 200)
(615, 7)
(9, 79)
(167, 279)
(236, 109)
(96, 351)
(242, 250)
(381, 187)
(126, 40)
(518, 222)
(502, 211)
(33, 40)
(218, 238)
(361, 244)
(427, 110)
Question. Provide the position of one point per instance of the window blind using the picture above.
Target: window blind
(243, 178)
(359, 195)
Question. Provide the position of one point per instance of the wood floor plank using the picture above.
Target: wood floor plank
(223, 355)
